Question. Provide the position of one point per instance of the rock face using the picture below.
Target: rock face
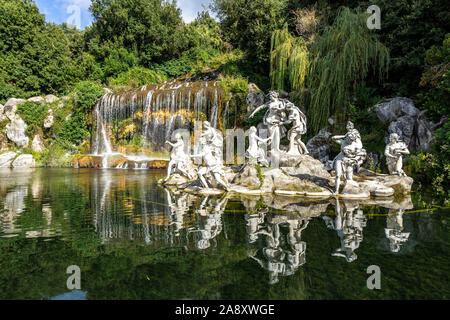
(275, 180)
(24, 161)
(50, 98)
(6, 159)
(11, 106)
(3, 143)
(408, 122)
(303, 164)
(37, 145)
(37, 100)
(255, 97)
(16, 132)
(48, 122)
(319, 146)
(2, 113)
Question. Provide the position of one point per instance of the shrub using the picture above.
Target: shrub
(73, 132)
(87, 93)
(137, 77)
(33, 114)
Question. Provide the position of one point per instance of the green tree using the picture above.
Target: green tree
(148, 28)
(248, 25)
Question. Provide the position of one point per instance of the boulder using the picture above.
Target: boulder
(2, 113)
(24, 161)
(11, 106)
(408, 122)
(319, 146)
(404, 127)
(50, 98)
(3, 143)
(16, 131)
(48, 122)
(255, 97)
(6, 159)
(37, 100)
(394, 108)
(303, 164)
(37, 145)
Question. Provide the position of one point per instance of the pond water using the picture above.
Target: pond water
(134, 239)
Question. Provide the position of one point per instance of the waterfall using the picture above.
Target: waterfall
(154, 112)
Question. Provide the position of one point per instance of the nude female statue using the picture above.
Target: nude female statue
(273, 118)
(179, 160)
(254, 152)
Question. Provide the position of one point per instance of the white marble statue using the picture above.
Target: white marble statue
(273, 119)
(349, 227)
(179, 159)
(255, 153)
(394, 152)
(214, 139)
(213, 165)
(298, 120)
(351, 157)
(394, 230)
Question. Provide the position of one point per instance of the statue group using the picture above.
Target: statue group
(266, 149)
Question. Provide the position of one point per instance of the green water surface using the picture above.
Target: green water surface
(134, 239)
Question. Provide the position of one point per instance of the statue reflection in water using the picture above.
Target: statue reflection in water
(349, 224)
(177, 208)
(212, 209)
(284, 252)
(394, 230)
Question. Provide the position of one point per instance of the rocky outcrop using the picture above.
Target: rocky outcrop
(408, 122)
(48, 122)
(6, 159)
(37, 145)
(255, 97)
(37, 100)
(303, 165)
(15, 132)
(10, 107)
(252, 179)
(319, 146)
(50, 98)
(3, 116)
(24, 161)
(3, 143)
(83, 161)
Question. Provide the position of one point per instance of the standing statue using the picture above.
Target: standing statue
(352, 155)
(213, 165)
(394, 152)
(255, 153)
(179, 160)
(296, 145)
(273, 119)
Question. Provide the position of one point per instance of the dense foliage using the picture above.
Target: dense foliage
(320, 52)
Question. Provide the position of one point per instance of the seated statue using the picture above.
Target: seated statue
(179, 160)
(213, 165)
(255, 153)
(394, 152)
(214, 138)
(352, 155)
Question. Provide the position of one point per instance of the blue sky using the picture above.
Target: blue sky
(77, 11)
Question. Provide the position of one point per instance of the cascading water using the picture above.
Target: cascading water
(154, 112)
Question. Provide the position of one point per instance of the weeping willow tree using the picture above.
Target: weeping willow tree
(289, 61)
(343, 56)
(331, 66)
